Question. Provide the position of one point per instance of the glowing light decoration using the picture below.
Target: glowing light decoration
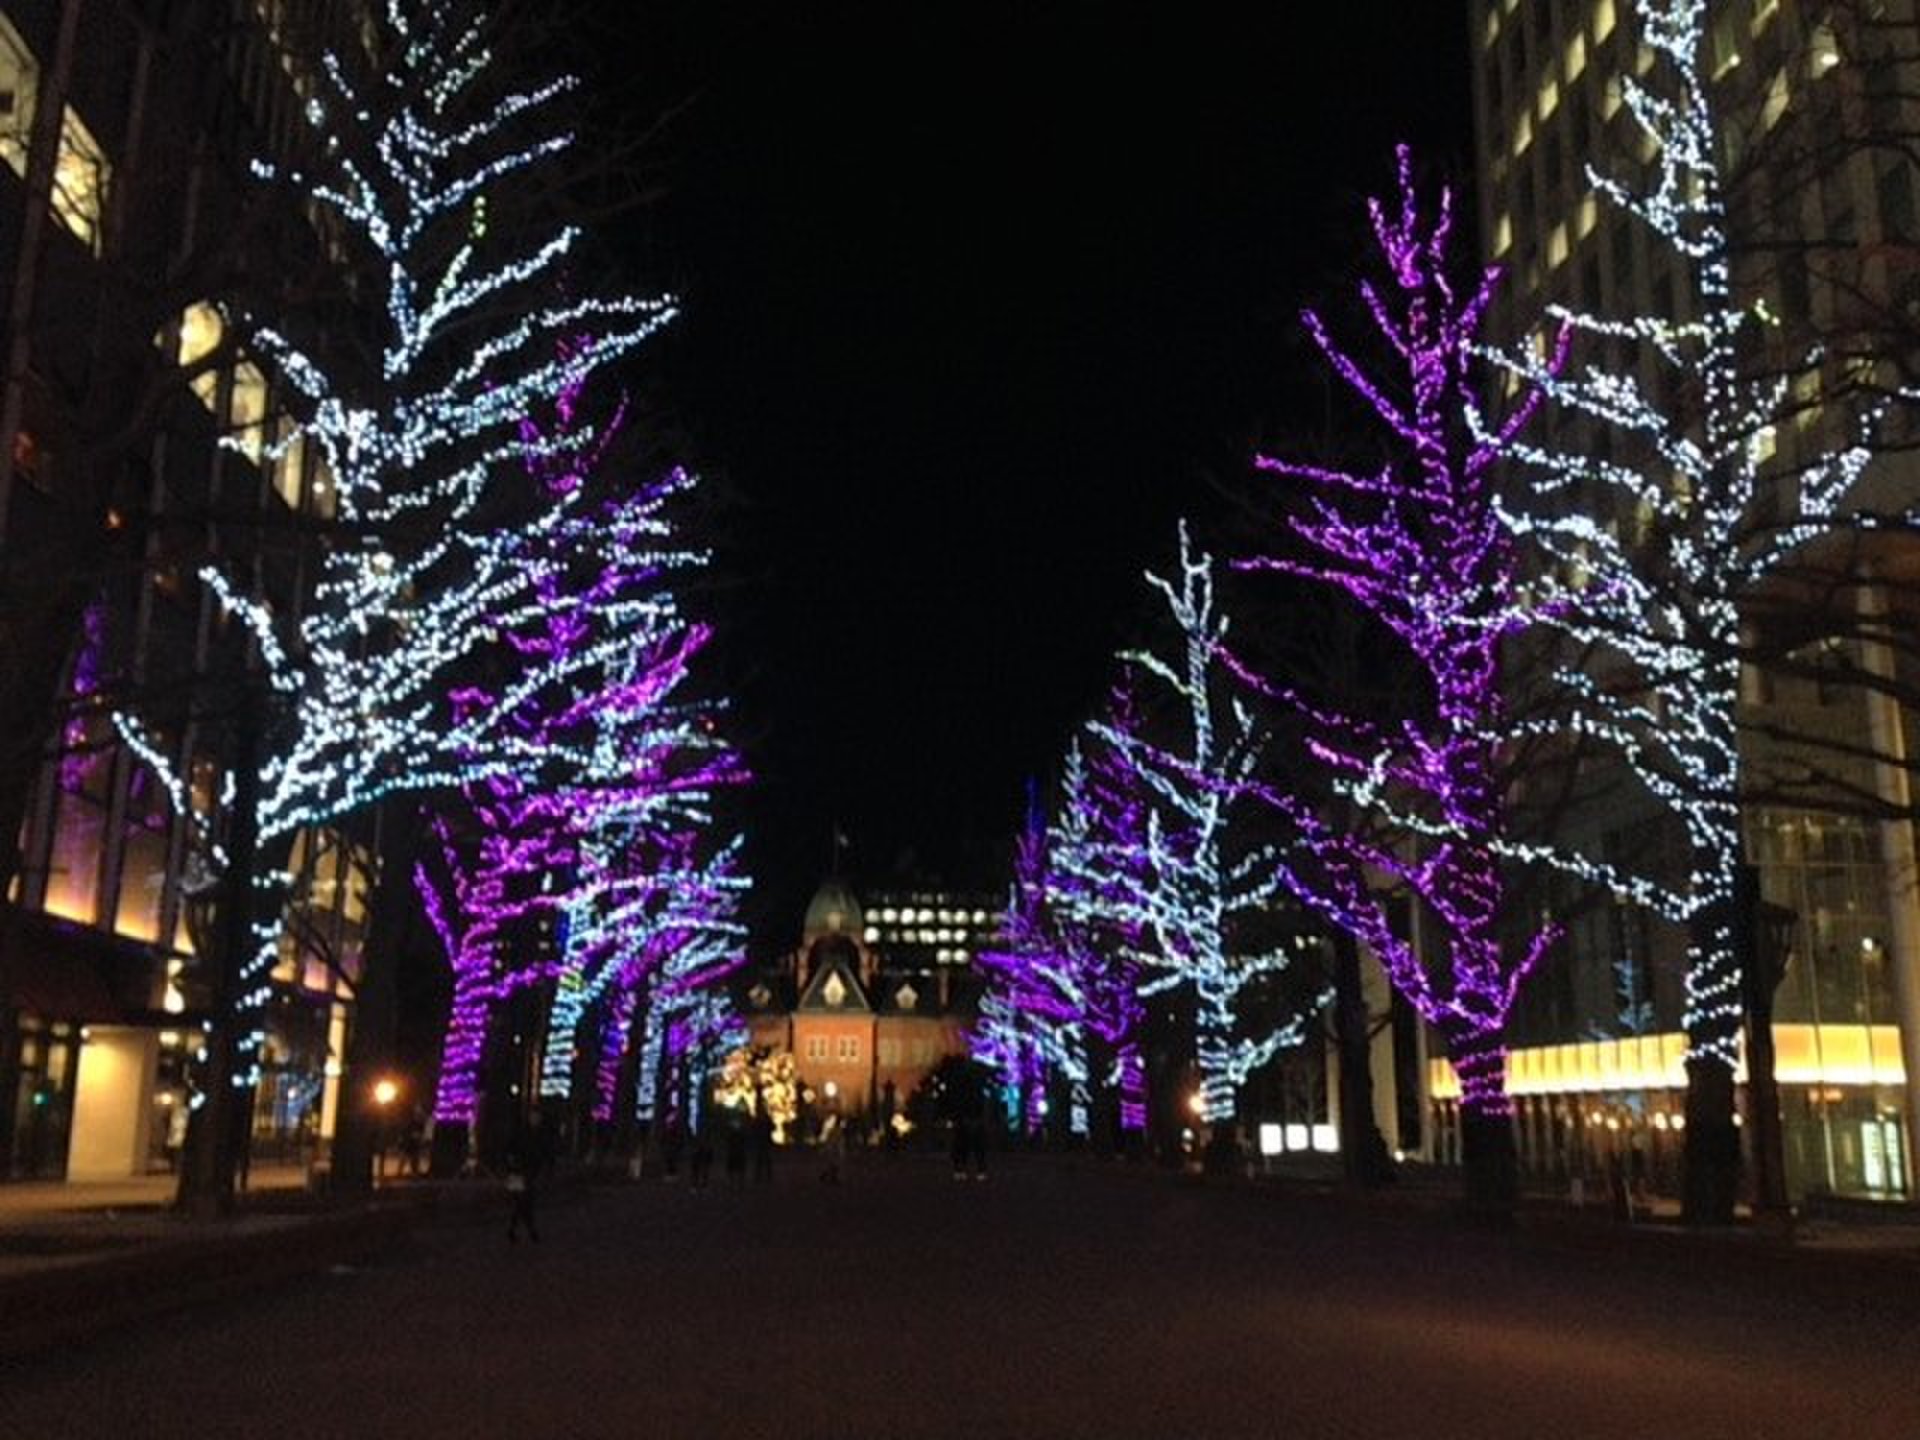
(1418, 545)
(1207, 889)
(1032, 1021)
(1689, 522)
(1093, 886)
(434, 557)
(624, 765)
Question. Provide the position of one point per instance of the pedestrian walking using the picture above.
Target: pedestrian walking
(833, 1142)
(529, 1154)
(760, 1143)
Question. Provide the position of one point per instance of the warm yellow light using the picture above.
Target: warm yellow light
(1197, 1103)
(385, 1092)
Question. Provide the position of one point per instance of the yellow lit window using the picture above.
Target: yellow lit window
(1587, 216)
(291, 462)
(1778, 94)
(19, 83)
(1522, 132)
(200, 334)
(1763, 13)
(1503, 234)
(1602, 20)
(1549, 97)
(247, 415)
(1557, 246)
(80, 178)
(1611, 100)
(1493, 26)
(1576, 57)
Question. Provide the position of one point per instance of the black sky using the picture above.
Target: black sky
(978, 297)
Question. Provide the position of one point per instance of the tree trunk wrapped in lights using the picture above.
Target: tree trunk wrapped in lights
(1419, 546)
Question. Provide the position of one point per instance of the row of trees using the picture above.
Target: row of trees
(487, 644)
(1561, 551)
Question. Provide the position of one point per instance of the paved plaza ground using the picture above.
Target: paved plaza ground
(1054, 1299)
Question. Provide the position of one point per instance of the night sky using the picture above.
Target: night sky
(979, 298)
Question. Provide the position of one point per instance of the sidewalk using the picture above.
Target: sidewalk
(76, 1259)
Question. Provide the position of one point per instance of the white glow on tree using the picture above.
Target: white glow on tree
(1209, 888)
(439, 550)
(1655, 544)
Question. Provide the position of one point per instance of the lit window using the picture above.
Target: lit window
(19, 82)
(848, 1048)
(1602, 20)
(1493, 26)
(1503, 234)
(1576, 57)
(1522, 132)
(1778, 93)
(1549, 100)
(1557, 246)
(1824, 52)
(80, 178)
(201, 331)
(1763, 13)
(290, 452)
(247, 410)
(816, 1047)
(1587, 216)
(322, 498)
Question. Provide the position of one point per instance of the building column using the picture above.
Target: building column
(113, 1103)
(1888, 738)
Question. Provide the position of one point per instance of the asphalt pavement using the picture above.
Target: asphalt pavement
(1056, 1298)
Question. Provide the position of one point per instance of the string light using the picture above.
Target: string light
(1659, 598)
(1205, 887)
(1418, 546)
(425, 573)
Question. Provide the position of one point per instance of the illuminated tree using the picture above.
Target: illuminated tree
(1419, 546)
(1033, 1025)
(1094, 885)
(1209, 892)
(1658, 542)
(439, 546)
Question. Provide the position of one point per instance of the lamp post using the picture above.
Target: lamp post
(1766, 940)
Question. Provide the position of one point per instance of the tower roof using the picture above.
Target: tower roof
(832, 911)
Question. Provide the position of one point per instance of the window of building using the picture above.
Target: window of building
(816, 1047)
(80, 179)
(201, 331)
(1776, 100)
(1603, 20)
(847, 1048)
(247, 410)
(889, 1052)
(19, 83)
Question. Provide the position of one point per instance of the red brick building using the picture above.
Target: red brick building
(863, 1031)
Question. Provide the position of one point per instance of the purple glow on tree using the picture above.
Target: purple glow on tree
(1027, 1026)
(614, 757)
(1419, 545)
(1095, 877)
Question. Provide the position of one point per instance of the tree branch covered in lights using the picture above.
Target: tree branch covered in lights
(1658, 542)
(1208, 891)
(442, 548)
(1094, 886)
(1032, 1021)
(621, 765)
(1418, 545)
